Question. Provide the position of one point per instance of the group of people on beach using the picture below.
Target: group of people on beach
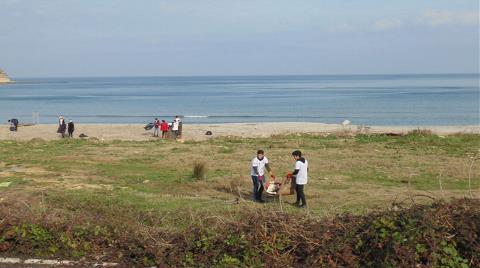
(64, 127)
(158, 126)
(164, 127)
(298, 178)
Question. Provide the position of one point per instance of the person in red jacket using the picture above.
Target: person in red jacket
(164, 129)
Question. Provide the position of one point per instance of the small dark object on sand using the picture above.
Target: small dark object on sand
(209, 133)
(83, 136)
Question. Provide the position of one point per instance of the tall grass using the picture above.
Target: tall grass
(199, 170)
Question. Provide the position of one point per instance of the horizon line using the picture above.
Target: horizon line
(242, 75)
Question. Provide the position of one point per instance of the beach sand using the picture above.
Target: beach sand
(196, 132)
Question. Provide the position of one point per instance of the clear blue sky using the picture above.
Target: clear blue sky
(237, 37)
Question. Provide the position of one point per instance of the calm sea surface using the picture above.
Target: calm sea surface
(362, 99)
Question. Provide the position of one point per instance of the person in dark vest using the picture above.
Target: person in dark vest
(71, 128)
(62, 126)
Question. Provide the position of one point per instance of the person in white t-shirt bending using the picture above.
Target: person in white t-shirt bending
(301, 177)
(259, 165)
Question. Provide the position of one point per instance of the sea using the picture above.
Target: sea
(395, 100)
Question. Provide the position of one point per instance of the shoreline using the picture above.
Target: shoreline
(196, 132)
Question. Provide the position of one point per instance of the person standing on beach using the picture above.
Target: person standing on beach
(300, 174)
(71, 128)
(62, 126)
(164, 129)
(259, 165)
(176, 126)
(156, 129)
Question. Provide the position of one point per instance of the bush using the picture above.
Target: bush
(199, 170)
(437, 235)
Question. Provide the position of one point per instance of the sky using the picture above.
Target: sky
(75, 38)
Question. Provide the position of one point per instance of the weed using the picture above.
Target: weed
(199, 170)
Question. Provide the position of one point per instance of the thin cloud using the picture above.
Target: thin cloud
(441, 17)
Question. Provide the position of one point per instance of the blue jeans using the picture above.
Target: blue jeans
(257, 188)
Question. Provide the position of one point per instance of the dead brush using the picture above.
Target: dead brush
(199, 170)
(411, 236)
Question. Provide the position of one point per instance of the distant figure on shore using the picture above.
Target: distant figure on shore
(156, 129)
(164, 129)
(13, 124)
(62, 126)
(71, 128)
(176, 126)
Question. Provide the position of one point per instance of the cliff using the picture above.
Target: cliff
(4, 77)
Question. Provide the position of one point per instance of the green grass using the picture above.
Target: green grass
(347, 174)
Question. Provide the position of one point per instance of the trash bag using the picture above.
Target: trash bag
(272, 187)
(287, 187)
(149, 126)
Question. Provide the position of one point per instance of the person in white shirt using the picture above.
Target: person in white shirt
(259, 165)
(301, 177)
(176, 125)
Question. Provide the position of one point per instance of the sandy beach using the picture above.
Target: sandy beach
(197, 131)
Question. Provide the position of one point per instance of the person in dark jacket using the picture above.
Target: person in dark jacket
(13, 124)
(62, 126)
(71, 128)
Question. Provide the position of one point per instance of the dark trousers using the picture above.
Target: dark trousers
(257, 188)
(70, 134)
(300, 194)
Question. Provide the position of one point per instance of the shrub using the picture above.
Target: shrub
(437, 235)
(199, 170)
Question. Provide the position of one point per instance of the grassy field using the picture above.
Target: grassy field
(346, 174)
(151, 183)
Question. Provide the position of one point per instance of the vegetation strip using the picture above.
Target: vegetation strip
(55, 262)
